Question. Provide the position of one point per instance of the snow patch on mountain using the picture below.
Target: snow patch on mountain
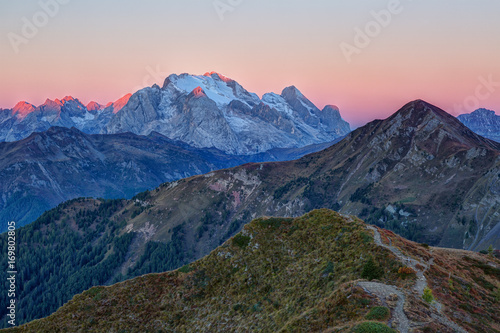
(205, 111)
(277, 102)
(216, 90)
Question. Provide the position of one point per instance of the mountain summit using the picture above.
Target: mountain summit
(484, 122)
(419, 172)
(433, 126)
(228, 117)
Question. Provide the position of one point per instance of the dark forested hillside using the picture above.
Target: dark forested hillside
(73, 247)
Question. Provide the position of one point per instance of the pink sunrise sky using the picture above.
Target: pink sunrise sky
(445, 52)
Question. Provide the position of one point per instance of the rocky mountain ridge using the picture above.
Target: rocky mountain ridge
(484, 122)
(60, 164)
(24, 118)
(205, 111)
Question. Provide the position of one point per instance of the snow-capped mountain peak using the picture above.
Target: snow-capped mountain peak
(205, 111)
(484, 122)
(215, 88)
(229, 117)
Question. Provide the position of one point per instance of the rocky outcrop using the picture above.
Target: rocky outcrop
(484, 122)
(25, 119)
(206, 111)
(227, 117)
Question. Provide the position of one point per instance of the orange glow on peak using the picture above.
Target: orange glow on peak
(93, 106)
(222, 77)
(120, 103)
(22, 109)
(56, 101)
(67, 99)
(198, 92)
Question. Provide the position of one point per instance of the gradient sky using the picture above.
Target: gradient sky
(442, 51)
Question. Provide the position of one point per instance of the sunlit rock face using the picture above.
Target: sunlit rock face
(212, 110)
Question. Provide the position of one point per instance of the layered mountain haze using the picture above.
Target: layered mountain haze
(210, 115)
(419, 172)
(205, 111)
(24, 118)
(484, 122)
(50, 167)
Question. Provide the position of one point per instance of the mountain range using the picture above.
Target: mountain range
(194, 124)
(47, 168)
(205, 111)
(484, 122)
(25, 118)
(420, 172)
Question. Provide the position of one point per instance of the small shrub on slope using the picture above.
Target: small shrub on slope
(372, 327)
(405, 272)
(427, 296)
(378, 313)
(371, 270)
(241, 240)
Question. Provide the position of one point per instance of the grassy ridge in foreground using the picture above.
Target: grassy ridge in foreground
(290, 275)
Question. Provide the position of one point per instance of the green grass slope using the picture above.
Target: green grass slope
(276, 275)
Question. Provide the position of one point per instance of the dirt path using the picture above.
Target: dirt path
(384, 291)
(402, 322)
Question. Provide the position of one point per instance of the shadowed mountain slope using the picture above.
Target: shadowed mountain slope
(60, 164)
